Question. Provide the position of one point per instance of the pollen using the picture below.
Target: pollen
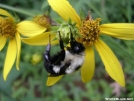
(89, 31)
(43, 21)
(7, 27)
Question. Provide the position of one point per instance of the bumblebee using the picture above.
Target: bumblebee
(65, 61)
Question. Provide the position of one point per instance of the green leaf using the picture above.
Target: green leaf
(19, 10)
(44, 5)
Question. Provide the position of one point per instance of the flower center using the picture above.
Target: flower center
(7, 27)
(89, 30)
(43, 21)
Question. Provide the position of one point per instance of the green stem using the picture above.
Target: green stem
(17, 10)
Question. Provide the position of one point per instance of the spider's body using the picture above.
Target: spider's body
(66, 61)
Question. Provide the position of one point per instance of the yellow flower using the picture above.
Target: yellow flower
(11, 30)
(42, 38)
(90, 31)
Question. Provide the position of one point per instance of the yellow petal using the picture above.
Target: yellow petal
(41, 39)
(119, 30)
(18, 41)
(29, 28)
(65, 10)
(5, 13)
(2, 42)
(112, 65)
(52, 80)
(10, 57)
(87, 69)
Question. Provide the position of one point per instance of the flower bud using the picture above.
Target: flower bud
(36, 58)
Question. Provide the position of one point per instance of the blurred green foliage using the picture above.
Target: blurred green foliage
(29, 83)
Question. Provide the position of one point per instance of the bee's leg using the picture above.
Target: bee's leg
(62, 53)
(47, 63)
(48, 48)
(51, 62)
(72, 40)
(47, 52)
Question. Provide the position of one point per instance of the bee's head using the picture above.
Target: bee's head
(76, 47)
